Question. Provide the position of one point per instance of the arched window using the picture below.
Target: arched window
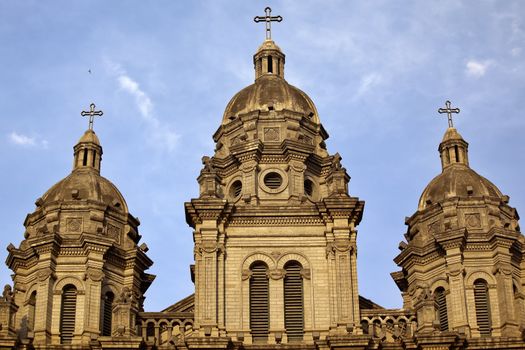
(293, 301)
(67, 313)
(481, 301)
(31, 311)
(107, 313)
(259, 302)
(441, 308)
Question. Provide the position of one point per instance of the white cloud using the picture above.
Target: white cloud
(161, 134)
(515, 52)
(367, 82)
(26, 141)
(477, 69)
(143, 101)
(21, 139)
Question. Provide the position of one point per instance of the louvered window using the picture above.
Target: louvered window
(293, 302)
(441, 304)
(107, 313)
(259, 302)
(67, 313)
(273, 180)
(31, 308)
(481, 300)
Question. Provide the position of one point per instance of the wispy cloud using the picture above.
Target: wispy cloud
(477, 69)
(142, 100)
(162, 134)
(26, 141)
(366, 83)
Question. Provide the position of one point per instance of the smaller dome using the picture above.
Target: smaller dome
(451, 134)
(268, 91)
(85, 184)
(457, 181)
(268, 45)
(89, 137)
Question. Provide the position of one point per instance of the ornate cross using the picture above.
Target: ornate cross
(449, 112)
(91, 114)
(268, 19)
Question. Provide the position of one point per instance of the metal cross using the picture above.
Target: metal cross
(449, 112)
(268, 19)
(91, 114)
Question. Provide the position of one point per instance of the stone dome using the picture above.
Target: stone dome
(85, 184)
(457, 181)
(269, 91)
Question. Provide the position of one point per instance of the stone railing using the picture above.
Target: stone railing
(164, 328)
(388, 325)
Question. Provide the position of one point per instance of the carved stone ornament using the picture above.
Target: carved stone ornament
(275, 254)
(305, 139)
(74, 225)
(336, 163)
(208, 166)
(504, 270)
(114, 232)
(246, 274)
(433, 228)
(210, 247)
(8, 294)
(423, 294)
(276, 274)
(126, 296)
(473, 220)
(306, 273)
(94, 275)
(44, 274)
(271, 134)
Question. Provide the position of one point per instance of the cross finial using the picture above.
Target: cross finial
(91, 114)
(268, 19)
(449, 112)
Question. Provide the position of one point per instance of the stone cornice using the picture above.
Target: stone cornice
(452, 238)
(198, 210)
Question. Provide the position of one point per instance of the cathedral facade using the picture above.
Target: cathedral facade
(275, 249)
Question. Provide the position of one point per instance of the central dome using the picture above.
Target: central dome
(269, 92)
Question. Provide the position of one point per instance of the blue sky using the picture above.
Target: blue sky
(163, 72)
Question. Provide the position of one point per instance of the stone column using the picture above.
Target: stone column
(44, 306)
(506, 303)
(277, 330)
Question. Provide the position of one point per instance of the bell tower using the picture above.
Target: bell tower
(462, 259)
(274, 225)
(79, 272)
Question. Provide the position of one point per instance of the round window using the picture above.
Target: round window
(273, 180)
(236, 189)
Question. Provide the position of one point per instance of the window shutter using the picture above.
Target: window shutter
(259, 303)
(441, 301)
(293, 302)
(67, 313)
(481, 300)
(107, 314)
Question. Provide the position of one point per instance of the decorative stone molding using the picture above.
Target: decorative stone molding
(246, 274)
(94, 275)
(44, 274)
(276, 274)
(306, 273)
(74, 225)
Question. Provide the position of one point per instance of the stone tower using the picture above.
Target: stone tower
(79, 273)
(462, 266)
(274, 225)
